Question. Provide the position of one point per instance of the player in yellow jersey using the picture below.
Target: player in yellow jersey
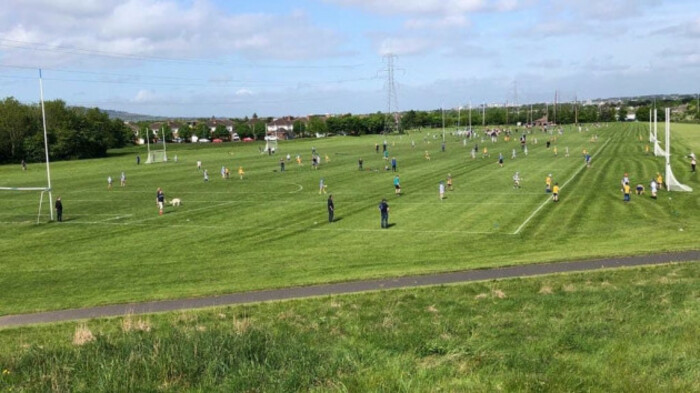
(240, 172)
(548, 183)
(660, 181)
(555, 192)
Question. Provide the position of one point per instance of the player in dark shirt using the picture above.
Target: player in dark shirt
(331, 208)
(59, 210)
(384, 210)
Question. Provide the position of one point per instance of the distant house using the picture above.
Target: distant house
(282, 128)
(542, 121)
(213, 123)
(631, 117)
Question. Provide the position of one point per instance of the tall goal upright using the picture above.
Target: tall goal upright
(155, 155)
(47, 188)
(671, 183)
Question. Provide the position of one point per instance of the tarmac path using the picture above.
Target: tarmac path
(345, 288)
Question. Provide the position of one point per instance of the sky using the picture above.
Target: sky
(202, 58)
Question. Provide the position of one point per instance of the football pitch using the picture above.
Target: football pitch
(271, 228)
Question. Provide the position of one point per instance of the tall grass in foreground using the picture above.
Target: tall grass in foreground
(626, 330)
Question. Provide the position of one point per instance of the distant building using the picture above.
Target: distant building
(282, 128)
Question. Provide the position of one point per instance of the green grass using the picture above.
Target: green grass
(270, 229)
(632, 330)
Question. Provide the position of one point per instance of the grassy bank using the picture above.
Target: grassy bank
(623, 330)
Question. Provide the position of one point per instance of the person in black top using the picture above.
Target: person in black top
(59, 210)
(384, 210)
(281, 164)
(160, 199)
(331, 208)
(359, 164)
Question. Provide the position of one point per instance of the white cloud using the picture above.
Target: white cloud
(403, 46)
(445, 22)
(423, 7)
(145, 96)
(161, 28)
(244, 92)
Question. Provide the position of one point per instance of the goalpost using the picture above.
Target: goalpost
(43, 190)
(658, 151)
(671, 182)
(155, 155)
(46, 189)
(270, 144)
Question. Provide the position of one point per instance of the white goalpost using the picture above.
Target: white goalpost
(671, 183)
(270, 144)
(43, 190)
(658, 151)
(46, 189)
(155, 155)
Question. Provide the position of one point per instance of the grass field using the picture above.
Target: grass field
(271, 229)
(632, 330)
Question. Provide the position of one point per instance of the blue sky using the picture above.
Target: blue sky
(235, 58)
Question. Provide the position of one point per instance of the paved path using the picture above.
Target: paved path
(344, 288)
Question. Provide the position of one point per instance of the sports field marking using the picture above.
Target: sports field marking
(562, 187)
(311, 227)
(187, 211)
(119, 191)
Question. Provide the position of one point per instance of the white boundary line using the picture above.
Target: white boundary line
(311, 228)
(562, 187)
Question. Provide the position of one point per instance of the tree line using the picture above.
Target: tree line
(72, 132)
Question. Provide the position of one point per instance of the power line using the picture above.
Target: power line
(203, 82)
(17, 44)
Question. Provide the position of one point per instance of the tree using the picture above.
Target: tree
(221, 132)
(202, 130)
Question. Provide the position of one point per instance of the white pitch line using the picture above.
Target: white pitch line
(562, 187)
(325, 228)
(189, 211)
(117, 217)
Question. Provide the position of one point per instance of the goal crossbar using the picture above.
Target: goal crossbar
(43, 190)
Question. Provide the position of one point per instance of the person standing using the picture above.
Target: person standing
(241, 172)
(393, 164)
(516, 180)
(199, 165)
(160, 200)
(548, 183)
(384, 212)
(397, 185)
(24, 165)
(321, 186)
(376, 147)
(500, 160)
(654, 188)
(331, 208)
(281, 164)
(359, 164)
(109, 182)
(692, 164)
(441, 190)
(206, 175)
(555, 192)
(138, 160)
(59, 210)
(122, 180)
(449, 182)
(626, 191)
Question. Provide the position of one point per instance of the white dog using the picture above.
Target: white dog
(175, 202)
